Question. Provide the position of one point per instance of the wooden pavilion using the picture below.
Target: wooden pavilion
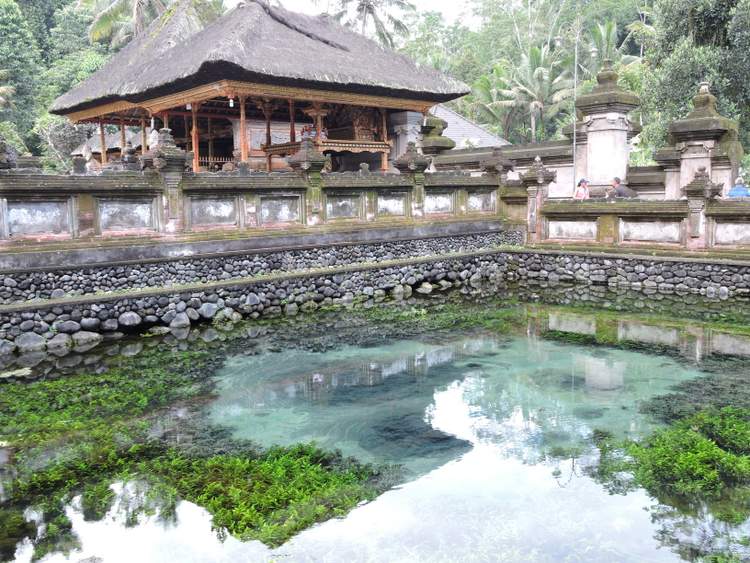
(223, 89)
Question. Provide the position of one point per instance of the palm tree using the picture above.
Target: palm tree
(603, 42)
(6, 91)
(494, 100)
(541, 85)
(376, 13)
(118, 21)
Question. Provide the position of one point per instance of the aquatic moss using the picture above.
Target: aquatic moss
(79, 434)
(700, 459)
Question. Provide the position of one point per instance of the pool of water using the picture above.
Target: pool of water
(493, 429)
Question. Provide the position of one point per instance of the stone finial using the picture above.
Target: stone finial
(704, 122)
(243, 168)
(704, 103)
(79, 165)
(497, 164)
(607, 96)
(702, 187)
(412, 160)
(8, 155)
(165, 138)
(166, 156)
(129, 158)
(433, 141)
(308, 158)
(538, 174)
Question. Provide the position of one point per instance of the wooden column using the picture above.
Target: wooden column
(384, 135)
(267, 108)
(210, 144)
(165, 119)
(123, 140)
(243, 130)
(144, 136)
(195, 139)
(292, 127)
(188, 144)
(102, 142)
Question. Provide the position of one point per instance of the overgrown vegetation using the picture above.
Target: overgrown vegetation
(80, 434)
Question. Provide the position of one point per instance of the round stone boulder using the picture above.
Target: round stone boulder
(129, 319)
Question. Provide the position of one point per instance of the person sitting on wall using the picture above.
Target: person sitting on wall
(618, 190)
(582, 190)
(739, 189)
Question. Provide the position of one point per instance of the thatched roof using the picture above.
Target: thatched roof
(255, 42)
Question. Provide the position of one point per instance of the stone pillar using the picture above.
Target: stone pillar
(698, 193)
(706, 140)
(433, 140)
(309, 163)
(170, 161)
(414, 164)
(536, 181)
(606, 130)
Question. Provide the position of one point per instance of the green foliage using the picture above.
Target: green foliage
(270, 498)
(380, 18)
(79, 434)
(682, 461)
(9, 132)
(20, 59)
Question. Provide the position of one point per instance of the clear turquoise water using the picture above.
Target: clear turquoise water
(493, 430)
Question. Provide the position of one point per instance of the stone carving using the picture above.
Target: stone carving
(8, 155)
(536, 181)
(698, 192)
(433, 141)
(411, 160)
(308, 158)
(79, 165)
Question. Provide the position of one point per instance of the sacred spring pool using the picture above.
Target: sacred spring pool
(489, 427)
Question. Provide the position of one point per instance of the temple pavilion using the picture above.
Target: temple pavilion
(252, 84)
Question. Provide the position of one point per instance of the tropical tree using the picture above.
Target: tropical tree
(20, 60)
(6, 90)
(118, 21)
(495, 102)
(542, 86)
(383, 17)
(604, 47)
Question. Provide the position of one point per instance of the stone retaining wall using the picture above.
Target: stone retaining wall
(54, 284)
(83, 322)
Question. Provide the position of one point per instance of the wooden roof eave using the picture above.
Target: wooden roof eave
(233, 88)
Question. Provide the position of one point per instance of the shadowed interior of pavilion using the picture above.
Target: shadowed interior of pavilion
(225, 89)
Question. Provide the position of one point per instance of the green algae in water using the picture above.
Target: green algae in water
(454, 389)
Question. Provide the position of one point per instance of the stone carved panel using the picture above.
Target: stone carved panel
(391, 205)
(38, 218)
(575, 230)
(732, 234)
(343, 206)
(123, 215)
(482, 202)
(730, 344)
(439, 204)
(213, 211)
(651, 231)
(571, 323)
(638, 332)
(279, 209)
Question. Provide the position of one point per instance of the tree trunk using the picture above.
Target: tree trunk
(533, 126)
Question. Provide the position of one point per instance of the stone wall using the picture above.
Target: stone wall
(78, 323)
(17, 287)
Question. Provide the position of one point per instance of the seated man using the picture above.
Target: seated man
(739, 189)
(618, 190)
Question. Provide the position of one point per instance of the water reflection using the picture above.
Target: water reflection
(494, 430)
